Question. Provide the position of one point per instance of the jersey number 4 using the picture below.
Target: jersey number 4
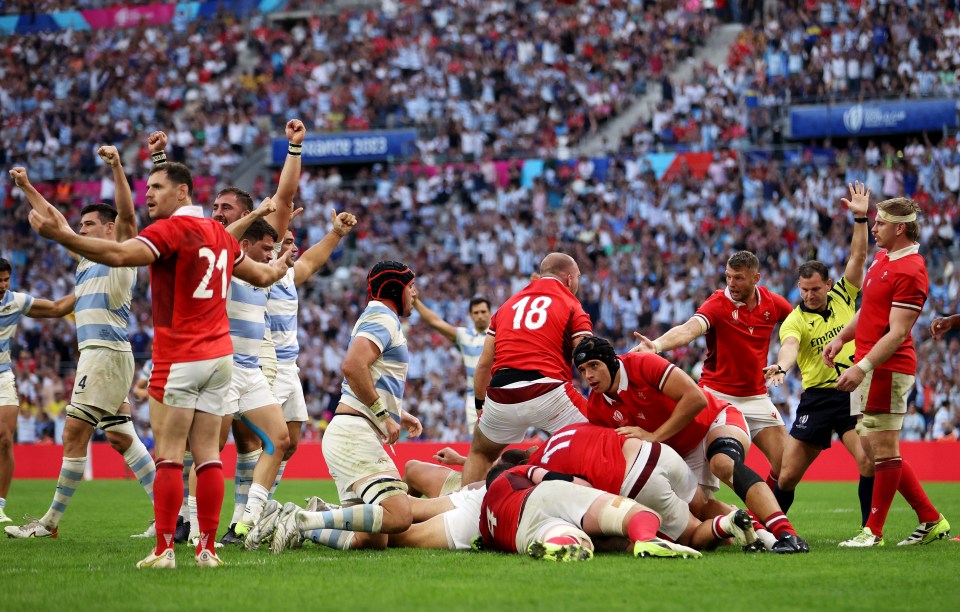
(213, 261)
(535, 317)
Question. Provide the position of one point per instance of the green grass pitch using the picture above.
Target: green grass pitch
(91, 567)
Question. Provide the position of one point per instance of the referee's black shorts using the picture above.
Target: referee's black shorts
(820, 413)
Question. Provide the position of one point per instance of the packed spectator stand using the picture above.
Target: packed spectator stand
(651, 247)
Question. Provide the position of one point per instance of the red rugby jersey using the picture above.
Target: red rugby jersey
(640, 402)
(738, 340)
(534, 329)
(894, 280)
(188, 286)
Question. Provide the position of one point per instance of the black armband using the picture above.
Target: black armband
(159, 157)
(860, 219)
(478, 404)
(558, 476)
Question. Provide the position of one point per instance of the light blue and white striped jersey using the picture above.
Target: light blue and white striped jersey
(246, 309)
(282, 306)
(381, 326)
(103, 305)
(13, 306)
(470, 344)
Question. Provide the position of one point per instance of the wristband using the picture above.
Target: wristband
(294, 149)
(657, 347)
(865, 365)
(379, 411)
(780, 369)
(478, 404)
(860, 219)
(159, 157)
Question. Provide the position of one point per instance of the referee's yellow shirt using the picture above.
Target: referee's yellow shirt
(814, 330)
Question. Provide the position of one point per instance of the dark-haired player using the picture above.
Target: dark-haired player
(524, 376)
(375, 373)
(645, 396)
(191, 260)
(105, 369)
(468, 340)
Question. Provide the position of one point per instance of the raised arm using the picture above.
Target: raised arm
(125, 226)
(681, 335)
(35, 198)
(132, 252)
(52, 309)
(289, 178)
(435, 321)
(239, 227)
(156, 143)
(313, 258)
(858, 204)
(260, 274)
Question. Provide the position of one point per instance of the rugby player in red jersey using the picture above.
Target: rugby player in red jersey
(524, 375)
(737, 322)
(645, 396)
(885, 362)
(191, 261)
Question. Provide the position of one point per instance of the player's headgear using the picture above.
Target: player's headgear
(387, 280)
(594, 347)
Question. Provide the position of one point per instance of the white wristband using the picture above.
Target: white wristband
(865, 365)
(657, 347)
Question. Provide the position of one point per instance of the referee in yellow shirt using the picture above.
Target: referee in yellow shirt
(825, 309)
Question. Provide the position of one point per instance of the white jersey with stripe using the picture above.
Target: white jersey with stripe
(246, 310)
(470, 344)
(12, 307)
(282, 306)
(103, 305)
(381, 326)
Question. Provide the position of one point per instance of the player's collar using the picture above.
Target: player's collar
(726, 292)
(190, 210)
(624, 381)
(913, 249)
(826, 313)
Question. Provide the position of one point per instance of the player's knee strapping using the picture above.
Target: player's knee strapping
(743, 477)
(82, 414)
(375, 491)
(614, 514)
(267, 442)
(120, 423)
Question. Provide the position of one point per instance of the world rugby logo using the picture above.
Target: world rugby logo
(853, 118)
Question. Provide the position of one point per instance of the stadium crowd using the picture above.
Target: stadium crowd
(475, 76)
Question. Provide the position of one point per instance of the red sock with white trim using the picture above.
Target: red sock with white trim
(886, 480)
(209, 502)
(778, 524)
(772, 479)
(167, 497)
(643, 526)
(564, 540)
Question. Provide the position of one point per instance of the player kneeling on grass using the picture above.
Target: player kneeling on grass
(644, 396)
(551, 516)
(375, 372)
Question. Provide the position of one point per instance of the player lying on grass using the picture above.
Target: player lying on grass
(549, 515)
